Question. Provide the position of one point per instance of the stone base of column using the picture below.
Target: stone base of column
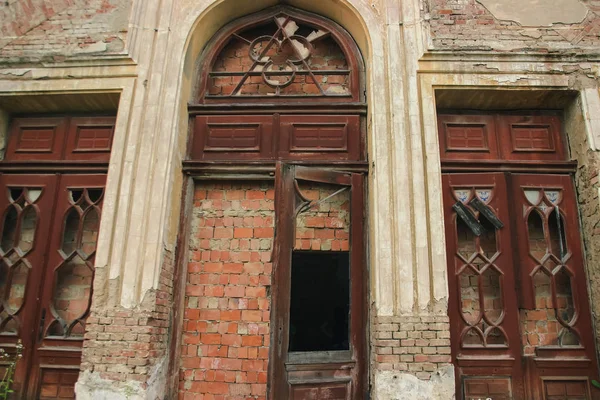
(125, 352)
(412, 358)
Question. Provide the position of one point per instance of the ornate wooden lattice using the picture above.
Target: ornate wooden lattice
(551, 270)
(18, 234)
(480, 275)
(284, 56)
(517, 298)
(73, 278)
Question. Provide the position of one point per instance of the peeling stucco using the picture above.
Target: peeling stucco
(537, 12)
(394, 385)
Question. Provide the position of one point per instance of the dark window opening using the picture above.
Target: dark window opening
(320, 301)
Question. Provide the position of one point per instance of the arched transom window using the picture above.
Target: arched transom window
(284, 55)
(279, 85)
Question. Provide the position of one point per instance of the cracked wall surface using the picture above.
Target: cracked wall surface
(587, 182)
(42, 30)
(484, 45)
(565, 26)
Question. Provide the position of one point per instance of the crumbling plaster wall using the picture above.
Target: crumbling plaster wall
(52, 30)
(584, 149)
(141, 213)
(565, 26)
(407, 263)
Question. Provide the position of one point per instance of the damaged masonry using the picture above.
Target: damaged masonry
(343, 199)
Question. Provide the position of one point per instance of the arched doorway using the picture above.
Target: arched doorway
(276, 274)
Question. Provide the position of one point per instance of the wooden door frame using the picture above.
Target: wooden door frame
(256, 173)
(262, 167)
(50, 348)
(510, 323)
(551, 161)
(34, 283)
(63, 158)
(285, 218)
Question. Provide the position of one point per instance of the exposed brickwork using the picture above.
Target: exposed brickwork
(326, 55)
(587, 183)
(225, 347)
(124, 344)
(325, 227)
(121, 345)
(416, 344)
(53, 30)
(468, 25)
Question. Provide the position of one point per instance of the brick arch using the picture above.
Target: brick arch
(283, 54)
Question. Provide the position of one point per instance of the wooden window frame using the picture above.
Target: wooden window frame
(339, 34)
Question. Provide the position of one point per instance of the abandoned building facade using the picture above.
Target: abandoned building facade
(333, 199)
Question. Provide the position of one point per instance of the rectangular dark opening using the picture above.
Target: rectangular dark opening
(320, 301)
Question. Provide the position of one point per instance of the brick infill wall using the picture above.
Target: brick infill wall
(419, 345)
(225, 344)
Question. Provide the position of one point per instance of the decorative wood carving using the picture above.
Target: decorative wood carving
(281, 55)
(518, 304)
(48, 235)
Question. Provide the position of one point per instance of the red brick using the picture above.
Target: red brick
(243, 233)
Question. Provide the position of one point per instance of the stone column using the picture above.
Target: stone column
(411, 339)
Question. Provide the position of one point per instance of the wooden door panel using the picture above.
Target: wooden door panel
(550, 351)
(468, 137)
(235, 137)
(57, 383)
(90, 138)
(552, 273)
(480, 138)
(531, 137)
(482, 304)
(553, 285)
(315, 137)
(26, 202)
(328, 369)
(36, 139)
(485, 387)
(67, 291)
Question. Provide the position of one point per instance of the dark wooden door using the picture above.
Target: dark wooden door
(67, 289)
(519, 311)
(485, 339)
(558, 339)
(53, 224)
(319, 302)
(26, 203)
